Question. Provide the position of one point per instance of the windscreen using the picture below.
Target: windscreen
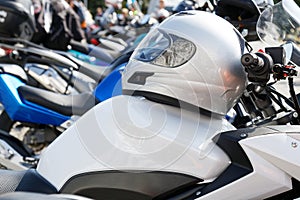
(280, 23)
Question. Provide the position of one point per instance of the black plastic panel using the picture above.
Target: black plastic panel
(129, 185)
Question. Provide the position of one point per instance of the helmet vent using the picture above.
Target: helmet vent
(140, 77)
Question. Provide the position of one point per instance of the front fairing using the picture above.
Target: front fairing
(133, 134)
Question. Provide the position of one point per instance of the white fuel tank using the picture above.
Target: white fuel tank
(133, 133)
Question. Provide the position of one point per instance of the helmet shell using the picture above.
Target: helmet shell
(211, 78)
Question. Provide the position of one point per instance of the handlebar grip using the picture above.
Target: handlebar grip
(258, 66)
(251, 60)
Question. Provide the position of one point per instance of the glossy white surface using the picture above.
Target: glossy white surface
(132, 133)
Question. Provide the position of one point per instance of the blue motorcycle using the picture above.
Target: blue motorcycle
(38, 116)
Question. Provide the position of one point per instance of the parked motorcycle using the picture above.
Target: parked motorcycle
(55, 71)
(28, 124)
(37, 115)
(167, 138)
(243, 14)
(40, 115)
(119, 39)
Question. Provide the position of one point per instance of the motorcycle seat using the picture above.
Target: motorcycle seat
(14, 70)
(25, 181)
(64, 104)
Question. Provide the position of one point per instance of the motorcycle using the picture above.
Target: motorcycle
(27, 64)
(117, 39)
(166, 137)
(243, 14)
(37, 116)
(32, 118)
(113, 37)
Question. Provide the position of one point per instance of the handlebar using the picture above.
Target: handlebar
(251, 60)
(258, 66)
(260, 99)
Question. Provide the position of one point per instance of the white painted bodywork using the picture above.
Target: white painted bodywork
(132, 133)
(274, 156)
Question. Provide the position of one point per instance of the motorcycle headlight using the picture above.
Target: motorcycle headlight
(166, 50)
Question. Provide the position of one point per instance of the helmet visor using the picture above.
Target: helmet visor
(164, 49)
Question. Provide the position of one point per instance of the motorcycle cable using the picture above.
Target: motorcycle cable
(294, 97)
(280, 96)
(277, 101)
(282, 71)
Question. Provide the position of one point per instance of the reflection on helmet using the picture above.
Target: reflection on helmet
(187, 61)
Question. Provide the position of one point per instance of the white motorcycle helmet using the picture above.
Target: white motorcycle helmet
(191, 59)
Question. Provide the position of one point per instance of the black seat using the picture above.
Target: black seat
(64, 104)
(25, 181)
